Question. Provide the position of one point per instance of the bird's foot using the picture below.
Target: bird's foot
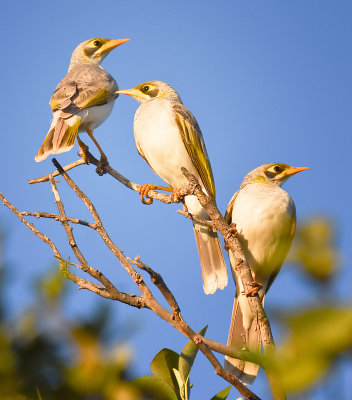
(232, 231)
(144, 189)
(103, 162)
(256, 287)
(83, 151)
(176, 197)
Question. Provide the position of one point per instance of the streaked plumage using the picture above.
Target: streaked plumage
(83, 99)
(265, 218)
(168, 138)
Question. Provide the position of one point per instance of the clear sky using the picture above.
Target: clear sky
(267, 81)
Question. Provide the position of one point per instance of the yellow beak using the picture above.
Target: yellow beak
(109, 45)
(135, 93)
(294, 170)
(287, 173)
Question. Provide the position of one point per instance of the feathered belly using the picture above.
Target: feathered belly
(162, 146)
(92, 117)
(266, 227)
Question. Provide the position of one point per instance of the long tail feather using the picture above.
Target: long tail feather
(243, 338)
(211, 259)
(60, 138)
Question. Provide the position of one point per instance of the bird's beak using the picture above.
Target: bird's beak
(294, 170)
(281, 178)
(108, 46)
(135, 93)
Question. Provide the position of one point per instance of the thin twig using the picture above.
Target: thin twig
(196, 219)
(57, 218)
(158, 281)
(46, 178)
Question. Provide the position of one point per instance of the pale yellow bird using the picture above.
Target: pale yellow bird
(82, 100)
(265, 220)
(168, 138)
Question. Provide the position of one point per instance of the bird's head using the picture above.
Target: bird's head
(152, 90)
(93, 51)
(275, 173)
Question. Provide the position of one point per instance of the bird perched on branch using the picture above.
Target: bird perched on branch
(82, 100)
(168, 138)
(264, 216)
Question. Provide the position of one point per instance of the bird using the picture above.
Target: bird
(82, 101)
(168, 138)
(264, 217)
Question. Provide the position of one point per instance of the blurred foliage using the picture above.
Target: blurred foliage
(316, 338)
(314, 249)
(45, 356)
(171, 372)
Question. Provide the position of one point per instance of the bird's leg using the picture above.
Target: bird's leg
(84, 150)
(144, 189)
(256, 287)
(185, 208)
(103, 162)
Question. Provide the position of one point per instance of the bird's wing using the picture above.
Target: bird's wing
(288, 241)
(140, 151)
(83, 88)
(228, 213)
(193, 140)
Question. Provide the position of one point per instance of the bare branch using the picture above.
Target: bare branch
(147, 300)
(45, 178)
(57, 218)
(196, 219)
(30, 226)
(159, 283)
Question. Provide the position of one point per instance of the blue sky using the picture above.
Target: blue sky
(267, 81)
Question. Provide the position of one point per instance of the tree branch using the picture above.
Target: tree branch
(107, 289)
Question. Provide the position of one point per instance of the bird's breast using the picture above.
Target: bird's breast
(159, 139)
(265, 219)
(92, 117)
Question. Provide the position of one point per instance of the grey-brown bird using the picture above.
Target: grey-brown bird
(265, 220)
(82, 100)
(168, 137)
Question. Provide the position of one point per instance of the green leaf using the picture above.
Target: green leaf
(162, 366)
(222, 395)
(187, 357)
(155, 388)
(315, 338)
(182, 385)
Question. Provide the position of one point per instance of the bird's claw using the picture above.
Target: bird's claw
(233, 229)
(256, 287)
(103, 162)
(143, 191)
(176, 197)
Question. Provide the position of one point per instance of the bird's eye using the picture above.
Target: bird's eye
(97, 43)
(277, 168)
(145, 88)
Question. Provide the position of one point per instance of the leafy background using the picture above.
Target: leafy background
(266, 81)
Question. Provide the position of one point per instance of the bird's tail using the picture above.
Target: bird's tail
(211, 258)
(244, 335)
(60, 138)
